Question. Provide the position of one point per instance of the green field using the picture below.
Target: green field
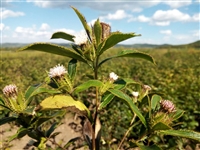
(176, 76)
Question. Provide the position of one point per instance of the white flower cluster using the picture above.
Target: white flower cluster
(80, 39)
(168, 106)
(135, 94)
(57, 71)
(113, 76)
(10, 90)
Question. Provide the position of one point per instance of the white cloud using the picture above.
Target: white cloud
(196, 33)
(196, 17)
(1, 26)
(103, 5)
(166, 32)
(5, 13)
(177, 3)
(118, 15)
(44, 26)
(170, 15)
(27, 33)
(41, 34)
(4, 27)
(161, 23)
(142, 18)
(69, 31)
(136, 9)
(164, 18)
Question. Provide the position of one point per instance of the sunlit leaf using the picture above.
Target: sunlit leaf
(160, 126)
(97, 31)
(35, 90)
(177, 114)
(155, 100)
(133, 107)
(114, 39)
(131, 54)
(64, 102)
(84, 22)
(63, 35)
(106, 100)
(54, 49)
(88, 84)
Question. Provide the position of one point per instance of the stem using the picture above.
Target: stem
(96, 104)
(129, 129)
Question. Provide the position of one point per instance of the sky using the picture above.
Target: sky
(158, 21)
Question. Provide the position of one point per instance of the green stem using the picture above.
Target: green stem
(96, 104)
(129, 129)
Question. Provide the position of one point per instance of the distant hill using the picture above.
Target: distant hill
(192, 45)
(151, 46)
(18, 45)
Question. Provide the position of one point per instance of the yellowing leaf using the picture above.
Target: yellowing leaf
(64, 102)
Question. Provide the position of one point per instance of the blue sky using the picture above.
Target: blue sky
(158, 21)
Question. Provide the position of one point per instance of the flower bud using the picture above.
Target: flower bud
(10, 91)
(106, 29)
(146, 87)
(168, 106)
(113, 76)
(135, 94)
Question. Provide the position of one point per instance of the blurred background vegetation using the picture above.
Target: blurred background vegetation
(176, 77)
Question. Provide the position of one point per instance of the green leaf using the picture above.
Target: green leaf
(97, 31)
(63, 35)
(72, 68)
(119, 84)
(2, 104)
(113, 39)
(51, 129)
(130, 53)
(155, 100)
(20, 133)
(6, 120)
(84, 22)
(152, 147)
(160, 126)
(106, 100)
(54, 49)
(43, 119)
(182, 133)
(35, 90)
(88, 84)
(177, 114)
(71, 141)
(133, 107)
(64, 102)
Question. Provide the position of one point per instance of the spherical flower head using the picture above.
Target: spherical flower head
(10, 91)
(57, 72)
(168, 106)
(135, 94)
(80, 39)
(113, 76)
